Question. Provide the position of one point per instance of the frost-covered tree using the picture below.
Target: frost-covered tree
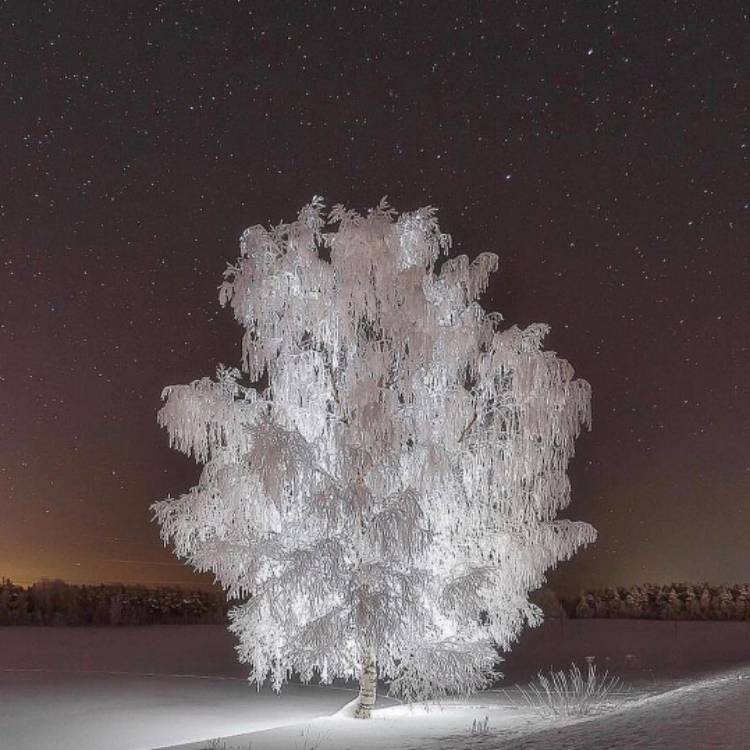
(383, 498)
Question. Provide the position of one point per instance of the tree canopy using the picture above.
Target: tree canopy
(382, 482)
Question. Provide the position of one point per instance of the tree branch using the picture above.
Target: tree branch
(469, 426)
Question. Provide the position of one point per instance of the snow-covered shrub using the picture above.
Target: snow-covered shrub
(569, 694)
(480, 727)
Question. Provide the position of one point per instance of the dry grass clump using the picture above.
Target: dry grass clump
(571, 694)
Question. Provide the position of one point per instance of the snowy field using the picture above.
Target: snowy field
(154, 687)
(708, 713)
(51, 710)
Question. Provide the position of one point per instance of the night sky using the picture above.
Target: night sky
(602, 150)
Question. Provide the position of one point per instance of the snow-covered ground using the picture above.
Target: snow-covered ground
(708, 713)
(144, 688)
(64, 710)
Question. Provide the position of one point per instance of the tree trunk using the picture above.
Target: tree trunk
(368, 688)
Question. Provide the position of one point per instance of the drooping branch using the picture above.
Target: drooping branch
(469, 425)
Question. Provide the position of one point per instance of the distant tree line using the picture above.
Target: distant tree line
(59, 603)
(677, 601)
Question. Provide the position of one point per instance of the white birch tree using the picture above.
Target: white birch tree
(383, 499)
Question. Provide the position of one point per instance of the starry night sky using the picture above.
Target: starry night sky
(602, 150)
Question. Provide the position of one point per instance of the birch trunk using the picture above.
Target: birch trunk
(368, 688)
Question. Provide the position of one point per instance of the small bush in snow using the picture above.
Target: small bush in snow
(481, 727)
(219, 744)
(570, 694)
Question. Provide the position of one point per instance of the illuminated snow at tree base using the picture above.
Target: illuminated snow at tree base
(384, 495)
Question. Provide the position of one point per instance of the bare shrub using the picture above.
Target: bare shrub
(570, 694)
(481, 727)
